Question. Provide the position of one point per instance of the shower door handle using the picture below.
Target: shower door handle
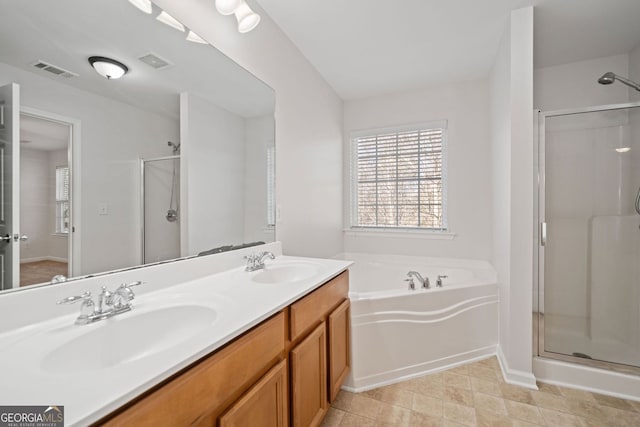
(543, 233)
(638, 202)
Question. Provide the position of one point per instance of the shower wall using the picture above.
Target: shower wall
(161, 237)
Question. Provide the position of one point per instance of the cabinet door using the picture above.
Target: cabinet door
(339, 345)
(265, 404)
(309, 379)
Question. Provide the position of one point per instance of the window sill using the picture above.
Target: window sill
(407, 233)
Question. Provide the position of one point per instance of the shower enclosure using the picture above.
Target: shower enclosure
(588, 301)
(160, 210)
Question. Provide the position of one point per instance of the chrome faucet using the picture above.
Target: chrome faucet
(423, 281)
(109, 303)
(439, 280)
(255, 261)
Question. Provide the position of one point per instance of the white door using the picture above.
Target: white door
(9, 186)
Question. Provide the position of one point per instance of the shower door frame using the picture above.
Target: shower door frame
(538, 297)
(142, 208)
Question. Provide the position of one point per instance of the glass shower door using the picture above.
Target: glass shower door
(589, 300)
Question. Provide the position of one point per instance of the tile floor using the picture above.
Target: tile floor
(476, 395)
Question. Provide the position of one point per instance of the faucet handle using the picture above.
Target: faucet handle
(412, 285)
(439, 281)
(70, 300)
(132, 284)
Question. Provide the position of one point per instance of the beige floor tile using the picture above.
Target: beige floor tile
(433, 387)
(576, 394)
(559, 419)
(357, 404)
(333, 418)
(521, 423)
(491, 362)
(352, 420)
(614, 402)
(487, 403)
(395, 395)
(450, 423)
(517, 394)
(423, 420)
(483, 373)
(621, 417)
(460, 414)
(548, 388)
(427, 405)
(550, 401)
(460, 370)
(489, 419)
(393, 416)
(455, 380)
(458, 395)
(486, 387)
(586, 409)
(524, 412)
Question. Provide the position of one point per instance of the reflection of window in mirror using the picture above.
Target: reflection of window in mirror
(271, 185)
(62, 199)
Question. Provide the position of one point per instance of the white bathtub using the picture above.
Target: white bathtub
(397, 333)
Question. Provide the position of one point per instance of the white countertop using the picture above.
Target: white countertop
(88, 394)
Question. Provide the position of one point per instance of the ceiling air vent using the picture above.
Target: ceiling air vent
(155, 61)
(45, 66)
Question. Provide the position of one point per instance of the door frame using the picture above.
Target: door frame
(539, 196)
(74, 252)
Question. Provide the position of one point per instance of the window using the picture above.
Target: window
(398, 178)
(62, 199)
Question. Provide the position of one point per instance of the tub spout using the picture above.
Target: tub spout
(423, 280)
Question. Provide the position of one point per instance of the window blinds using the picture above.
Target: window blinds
(398, 179)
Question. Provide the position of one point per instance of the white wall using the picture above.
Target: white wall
(576, 84)
(114, 136)
(512, 154)
(465, 107)
(634, 72)
(308, 125)
(259, 137)
(212, 175)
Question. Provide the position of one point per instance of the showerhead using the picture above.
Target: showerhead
(609, 77)
(176, 148)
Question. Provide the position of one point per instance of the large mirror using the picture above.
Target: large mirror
(173, 159)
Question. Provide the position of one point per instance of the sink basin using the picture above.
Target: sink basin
(286, 272)
(131, 337)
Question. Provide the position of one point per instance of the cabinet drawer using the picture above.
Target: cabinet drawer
(209, 386)
(311, 310)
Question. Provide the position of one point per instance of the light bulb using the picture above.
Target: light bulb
(247, 18)
(227, 7)
(165, 18)
(143, 5)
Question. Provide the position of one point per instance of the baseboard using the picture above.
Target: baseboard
(514, 376)
(42, 258)
(411, 372)
(617, 384)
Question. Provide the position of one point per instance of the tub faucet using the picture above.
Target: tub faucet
(439, 281)
(423, 280)
(255, 261)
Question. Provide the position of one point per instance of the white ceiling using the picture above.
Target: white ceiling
(370, 47)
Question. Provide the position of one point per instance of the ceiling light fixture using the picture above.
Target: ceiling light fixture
(107, 67)
(143, 5)
(193, 37)
(247, 18)
(623, 149)
(165, 18)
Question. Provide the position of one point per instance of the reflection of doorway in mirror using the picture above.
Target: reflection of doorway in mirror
(45, 198)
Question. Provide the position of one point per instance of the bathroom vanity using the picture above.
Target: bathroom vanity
(206, 343)
(291, 365)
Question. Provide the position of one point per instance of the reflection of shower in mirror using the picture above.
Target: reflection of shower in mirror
(172, 213)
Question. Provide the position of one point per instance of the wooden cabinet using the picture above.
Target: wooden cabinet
(309, 379)
(282, 372)
(338, 327)
(265, 404)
